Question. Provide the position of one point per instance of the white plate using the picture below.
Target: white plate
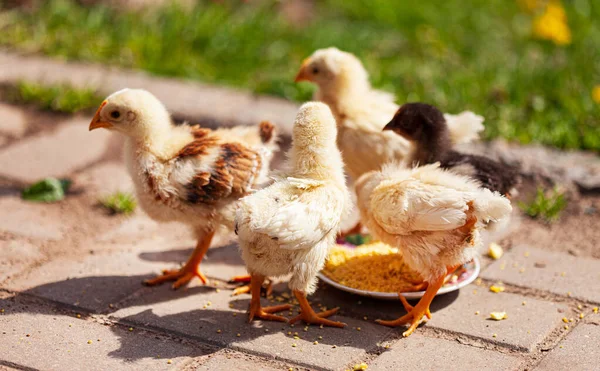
(471, 273)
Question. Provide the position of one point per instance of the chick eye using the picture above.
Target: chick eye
(115, 114)
(315, 70)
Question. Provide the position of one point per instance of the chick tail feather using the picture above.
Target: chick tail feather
(464, 127)
(267, 131)
(492, 208)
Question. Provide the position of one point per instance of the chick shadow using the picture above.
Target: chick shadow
(226, 254)
(103, 294)
(219, 328)
(356, 306)
(133, 345)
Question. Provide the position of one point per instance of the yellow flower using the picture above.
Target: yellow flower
(552, 25)
(596, 94)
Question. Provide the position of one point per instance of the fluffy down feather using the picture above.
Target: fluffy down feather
(421, 211)
(361, 112)
(289, 226)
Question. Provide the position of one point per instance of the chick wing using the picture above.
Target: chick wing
(297, 213)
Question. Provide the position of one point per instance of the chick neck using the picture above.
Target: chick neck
(318, 160)
(342, 94)
(431, 146)
(163, 141)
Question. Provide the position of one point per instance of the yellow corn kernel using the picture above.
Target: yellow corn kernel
(495, 251)
(498, 316)
(497, 288)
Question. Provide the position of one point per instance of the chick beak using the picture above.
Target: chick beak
(389, 126)
(96, 122)
(302, 73)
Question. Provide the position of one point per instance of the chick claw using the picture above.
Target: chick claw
(265, 313)
(318, 318)
(416, 314)
(180, 276)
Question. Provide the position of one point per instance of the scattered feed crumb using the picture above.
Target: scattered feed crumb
(497, 288)
(498, 316)
(495, 251)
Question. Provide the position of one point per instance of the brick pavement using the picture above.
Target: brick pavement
(71, 296)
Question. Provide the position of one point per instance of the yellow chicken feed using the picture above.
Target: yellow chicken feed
(372, 267)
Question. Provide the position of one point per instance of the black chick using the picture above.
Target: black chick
(425, 127)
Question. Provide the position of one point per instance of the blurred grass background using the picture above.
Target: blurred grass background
(479, 55)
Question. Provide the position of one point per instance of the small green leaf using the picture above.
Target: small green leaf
(47, 190)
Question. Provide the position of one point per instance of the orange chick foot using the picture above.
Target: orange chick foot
(180, 276)
(413, 317)
(318, 318)
(246, 288)
(266, 313)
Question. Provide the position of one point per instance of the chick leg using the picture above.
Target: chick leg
(246, 288)
(308, 315)
(415, 315)
(256, 310)
(191, 268)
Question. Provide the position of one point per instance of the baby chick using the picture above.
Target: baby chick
(186, 174)
(426, 127)
(433, 217)
(289, 226)
(361, 112)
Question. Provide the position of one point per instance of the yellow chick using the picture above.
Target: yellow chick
(361, 112)
(434, 218)
(288, 227)
(186, 174)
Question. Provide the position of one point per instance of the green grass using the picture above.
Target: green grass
(59, 98)
(545, 205)
(120, 203)
(479, 56)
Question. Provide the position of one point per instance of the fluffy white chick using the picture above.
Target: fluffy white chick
(186, 174)
(289, 226)
(361, 112)
(434, 218)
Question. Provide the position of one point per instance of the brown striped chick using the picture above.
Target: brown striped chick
(186, 174)
(434, 218)
(288, 227)
(361, 112)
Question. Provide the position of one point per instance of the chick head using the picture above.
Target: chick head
(331, 67)
(417, 121)
(133, 112)
(314, 125)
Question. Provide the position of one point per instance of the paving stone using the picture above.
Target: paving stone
(418, 352)
(15, 256)
(93, 281)
(190, 315)
(12, 120)
(525, 327)
(578, 351)
(38, 338)
(549, 271)
(222, 260)
(105, 179)
(187, 99)
(139, 225)
(30, 219)
(68, 149)
(230, 360)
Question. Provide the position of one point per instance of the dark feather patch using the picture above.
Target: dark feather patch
(266, 131)
(235, 172)
(203, 141)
